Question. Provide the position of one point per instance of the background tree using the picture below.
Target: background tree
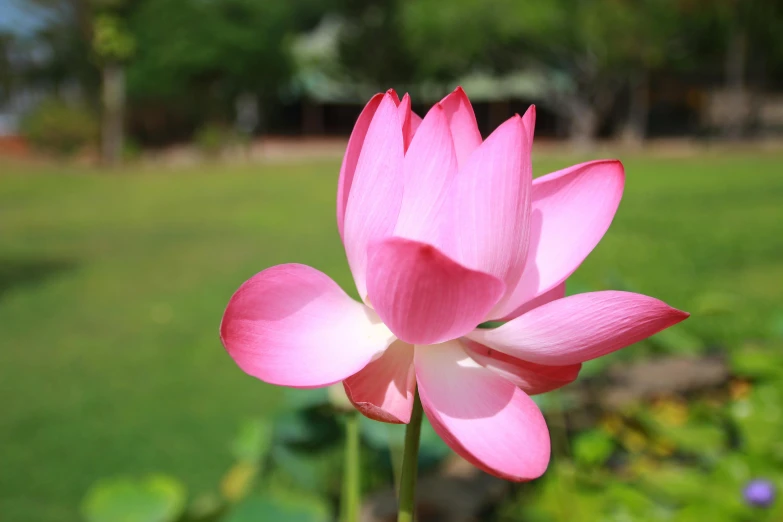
(743, 43)
(374, 46)
(599, 48)
(88, 42)
(587, 50)
(587, 55)
(7, 76)
(113, 45)
(647, 38)
(216, 52)
(63, 47)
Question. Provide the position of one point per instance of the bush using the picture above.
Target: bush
(59, 127)
(131, 150)
(211, 139)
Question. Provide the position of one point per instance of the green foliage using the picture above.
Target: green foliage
(212, 139)
(295, 466)
(192, 70)
(583, 52)
(253, 441)
(157, 498)
(131, 150)
(452, 39)
(672, 459)
(678, 341)
(593, 448)
(759, 421)
(373, 45)
(776, 327)
(306, 398)
(710, 26)
(216, 49)
(59, 127)
(752, 361)
(282, 508)
(111, 40)
(141, 382)
(391, 437)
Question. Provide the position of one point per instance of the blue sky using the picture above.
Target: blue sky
(19, 16)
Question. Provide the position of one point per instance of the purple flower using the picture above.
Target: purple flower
(759, 493)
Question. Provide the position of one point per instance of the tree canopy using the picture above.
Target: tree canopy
(195, 57)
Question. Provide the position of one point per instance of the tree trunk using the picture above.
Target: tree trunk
(112, 125)
(736, 61)
(634, 130)
(583, 123)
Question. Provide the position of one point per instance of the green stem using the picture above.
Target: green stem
(410, 462)
(351, 494)
(396, 448)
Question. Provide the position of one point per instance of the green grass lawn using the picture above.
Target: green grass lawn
(112, 287)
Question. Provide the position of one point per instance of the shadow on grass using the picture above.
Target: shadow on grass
(23, 272)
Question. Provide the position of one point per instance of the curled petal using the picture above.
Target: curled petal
(384, 389)
(483, 417)
(462, 122)
(423, 296)
(532, 378)
(571, 211)
(580, 327)
(292, 325)
(376, 192)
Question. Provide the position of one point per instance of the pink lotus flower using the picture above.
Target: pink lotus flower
(443, 232)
